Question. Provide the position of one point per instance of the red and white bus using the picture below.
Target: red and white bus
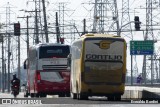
(47, 71)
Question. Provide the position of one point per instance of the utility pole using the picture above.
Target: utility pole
(45, 21)
(57, 28)
(1, 39)
(17, 32)
(9, 44)
(27, 37)
(19, 66)
(2, 64)
(27, 41)
(9, 57)
(5, 76)
(36, 24)
(36, 39)
(84, 27)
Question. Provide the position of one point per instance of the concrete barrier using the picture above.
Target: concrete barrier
(137, 92)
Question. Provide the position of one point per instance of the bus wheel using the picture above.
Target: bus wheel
(82, 96)
(74, 96)
(36, 95)
(43, 95)
(61, 95)
(110, 98)
(68, 94)
(32, 95)
(118, 98)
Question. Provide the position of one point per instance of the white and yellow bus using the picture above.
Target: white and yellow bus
(98, 66)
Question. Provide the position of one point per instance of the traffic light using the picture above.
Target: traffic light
(17, 29)
(137, 23)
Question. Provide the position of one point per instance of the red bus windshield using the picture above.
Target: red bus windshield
(53, 51)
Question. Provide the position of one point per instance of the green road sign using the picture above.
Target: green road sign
(142, 47)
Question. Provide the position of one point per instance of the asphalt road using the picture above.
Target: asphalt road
(55, 101)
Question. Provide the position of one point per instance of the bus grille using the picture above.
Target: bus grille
(54, 67)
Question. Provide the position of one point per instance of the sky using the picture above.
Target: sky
(76, 10)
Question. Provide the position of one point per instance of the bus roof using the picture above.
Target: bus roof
(95, 35)
(47, 44)
(98, 35)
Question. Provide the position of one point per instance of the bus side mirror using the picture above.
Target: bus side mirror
(25, 64)
(69, 60)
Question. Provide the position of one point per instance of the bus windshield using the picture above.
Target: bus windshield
(53, 51)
